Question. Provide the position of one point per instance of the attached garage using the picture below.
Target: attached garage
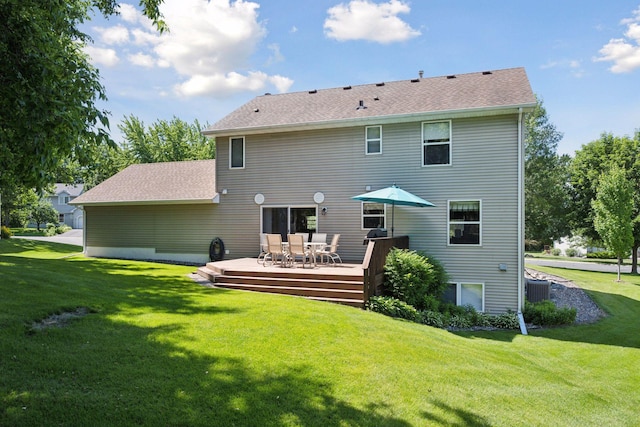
(156, 211)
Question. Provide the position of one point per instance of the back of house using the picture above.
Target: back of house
(292, 162)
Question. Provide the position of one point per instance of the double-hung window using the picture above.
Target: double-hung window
(436, 143)
(373, 137)
(465, 221)
(236, 152)
(63, 200)
(373, 215)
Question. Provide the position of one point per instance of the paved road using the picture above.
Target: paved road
(577, 265)
(73, 237)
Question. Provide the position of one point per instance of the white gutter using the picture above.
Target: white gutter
(523, 327)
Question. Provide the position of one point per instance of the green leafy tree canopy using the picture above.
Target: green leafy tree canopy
(613, 209)
(48, 88)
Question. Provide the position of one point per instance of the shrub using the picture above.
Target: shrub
(411, 276)
(50, 230)
(507, 320)
(433, 318)
(545, 313)
(602, 255)
(556, 252)
(571, 252)
(5, 232)
(393, 307)
(62, 228)
(531, 245)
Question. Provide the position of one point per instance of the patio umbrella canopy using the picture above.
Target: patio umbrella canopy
(393, 195)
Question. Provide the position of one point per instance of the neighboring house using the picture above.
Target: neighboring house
(291, 162)
(62, 195)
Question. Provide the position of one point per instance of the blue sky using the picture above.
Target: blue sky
(582, 56)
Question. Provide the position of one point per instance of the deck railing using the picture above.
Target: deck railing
(373, 263)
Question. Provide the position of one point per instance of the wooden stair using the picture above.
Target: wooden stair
(321, 285)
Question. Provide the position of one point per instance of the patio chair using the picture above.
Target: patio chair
(297, 249)
(275, 250)
(305, 236)
(264, 248)
(319, 237)
(331, 252)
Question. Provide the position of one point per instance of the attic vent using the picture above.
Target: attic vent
(268, 93)
(313, 91)
(380, 84)
(451, 77)
(256, 110)
(376, 98)
(486, 73)
(346, 87)
(415, 80)
(361, 105)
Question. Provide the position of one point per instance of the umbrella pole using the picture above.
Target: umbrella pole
(393, 214)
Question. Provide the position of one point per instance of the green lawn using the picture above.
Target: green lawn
(158, 349)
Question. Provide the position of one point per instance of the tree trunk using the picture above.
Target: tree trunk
(634, 258)
(619, 265)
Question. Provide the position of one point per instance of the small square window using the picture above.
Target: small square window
(373, 139)
(465, 294)
(236, 153)
(373, 215)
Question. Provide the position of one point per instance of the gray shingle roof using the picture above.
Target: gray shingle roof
(481, 91)
(72, 190)
(156, 183)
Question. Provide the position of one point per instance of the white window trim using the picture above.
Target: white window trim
(459, 286)
(362, 216)
(63, 200)
(366, 141)
(244, 152)
(422, 144)
(449, 222)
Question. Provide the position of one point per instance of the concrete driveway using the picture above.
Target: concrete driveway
(576, 265)
(73, 237)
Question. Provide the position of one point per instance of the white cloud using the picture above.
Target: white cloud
(129, 13)
(101, 56)
(624, 52)
(142, 60)
(365, 20)
(113, 35)
(210, 44)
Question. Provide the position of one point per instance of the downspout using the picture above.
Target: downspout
(523, 327)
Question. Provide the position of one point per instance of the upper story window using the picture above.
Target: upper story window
(373, 215)
(63, 199)
(436, 143)
(464, 222)
(373, 139)
(236, 152)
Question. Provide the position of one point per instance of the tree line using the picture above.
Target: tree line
(595, 194)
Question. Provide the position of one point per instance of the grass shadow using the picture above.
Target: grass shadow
(148, 381)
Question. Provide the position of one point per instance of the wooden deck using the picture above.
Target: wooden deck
(343, 284)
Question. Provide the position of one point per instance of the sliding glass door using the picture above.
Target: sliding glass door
(288, 219)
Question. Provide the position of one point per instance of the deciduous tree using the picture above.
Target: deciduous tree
(613, 207)
(546, 179)
(48, 88)
(588, 166)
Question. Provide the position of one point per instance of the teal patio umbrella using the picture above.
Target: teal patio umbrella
(393, 196)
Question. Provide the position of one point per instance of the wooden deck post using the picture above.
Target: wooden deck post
(374, 259)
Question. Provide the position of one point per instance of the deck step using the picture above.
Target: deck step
(328, 287)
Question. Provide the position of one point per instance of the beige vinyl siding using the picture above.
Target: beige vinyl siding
(166, 228)
(288, 168)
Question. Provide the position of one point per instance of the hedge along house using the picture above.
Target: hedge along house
(291, 163)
